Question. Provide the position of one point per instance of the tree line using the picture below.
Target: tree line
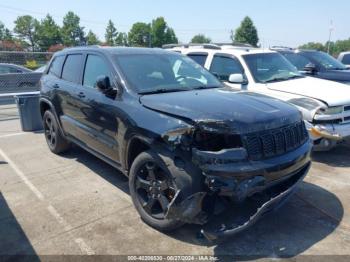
(335, 48)
(46, 35)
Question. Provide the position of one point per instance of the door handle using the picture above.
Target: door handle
(81, 94)
(56, 86)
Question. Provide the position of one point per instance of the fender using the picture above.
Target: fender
(52, 108)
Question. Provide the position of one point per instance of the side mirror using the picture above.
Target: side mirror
(310, 68)
(103, 84)
(237, 79)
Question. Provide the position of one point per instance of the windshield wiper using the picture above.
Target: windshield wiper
(204, 87)
(275, 79)
(161, 90)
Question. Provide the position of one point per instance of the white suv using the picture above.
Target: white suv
(324, 104)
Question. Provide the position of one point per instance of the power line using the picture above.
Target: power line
(88, 21)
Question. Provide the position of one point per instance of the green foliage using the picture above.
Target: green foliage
(139, 35)
(121, 39)
(161, 33)
(246, 33)
(200, 39)
(313, 45)
(111, 33)
(341, 46)
(5, 33)
(72, 33)
(26, 29)
(92, 39)
(335, 48)
(48, 33)
(31, 64)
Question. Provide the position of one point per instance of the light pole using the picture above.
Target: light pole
(331, 29)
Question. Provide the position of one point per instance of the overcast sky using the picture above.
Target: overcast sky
(279, 22)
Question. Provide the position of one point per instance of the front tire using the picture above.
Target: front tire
(153, 184)
(56, 142)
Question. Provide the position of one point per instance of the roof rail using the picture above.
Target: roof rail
(236, 44)
(81, 46)
(208, 46)
(282, 48)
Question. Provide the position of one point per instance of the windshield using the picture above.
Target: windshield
(325, 60)
(297, 60)
(270, 67)
(156, 73)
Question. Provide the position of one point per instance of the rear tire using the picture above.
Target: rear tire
(153, 184)
(54, 138)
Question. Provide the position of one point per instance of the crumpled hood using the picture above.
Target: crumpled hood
(241, 112)
(332, 93)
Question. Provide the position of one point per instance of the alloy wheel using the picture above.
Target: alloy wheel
(154, 189)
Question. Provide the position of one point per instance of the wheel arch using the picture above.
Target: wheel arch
(45, 104)
(135, 146)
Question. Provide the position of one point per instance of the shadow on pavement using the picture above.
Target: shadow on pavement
(14, 243)
(101, 168)
(286, 232)
(335, 158)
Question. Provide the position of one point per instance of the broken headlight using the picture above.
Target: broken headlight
(207, 141)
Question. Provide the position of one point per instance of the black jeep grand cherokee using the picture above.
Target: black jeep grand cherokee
(187, 143)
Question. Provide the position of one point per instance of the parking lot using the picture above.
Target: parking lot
(76, 204)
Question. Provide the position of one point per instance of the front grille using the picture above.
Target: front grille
(270, 143)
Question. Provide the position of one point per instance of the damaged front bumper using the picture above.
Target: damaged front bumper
(270, 180)
(275, 199)
(327, 136)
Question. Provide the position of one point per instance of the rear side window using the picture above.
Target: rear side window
(56, 66)
(95, 67)
(223, 67)
(346, 59)
(4, 70)
(199, 58)
(72, 68)
(8, 69)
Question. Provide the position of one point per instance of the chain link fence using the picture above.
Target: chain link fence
(21, 71)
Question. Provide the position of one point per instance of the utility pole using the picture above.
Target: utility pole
(331, 29)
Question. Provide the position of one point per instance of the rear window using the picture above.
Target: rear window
(346, 59)
(199, 58)
(72, 68)
(56, 66)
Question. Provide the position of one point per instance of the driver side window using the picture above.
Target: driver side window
(95, 66)
(223, 67)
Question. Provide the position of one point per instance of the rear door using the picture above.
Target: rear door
(51, 83)
(69, 95)
(97, 114)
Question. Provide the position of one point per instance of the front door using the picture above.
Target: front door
(223, 65)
